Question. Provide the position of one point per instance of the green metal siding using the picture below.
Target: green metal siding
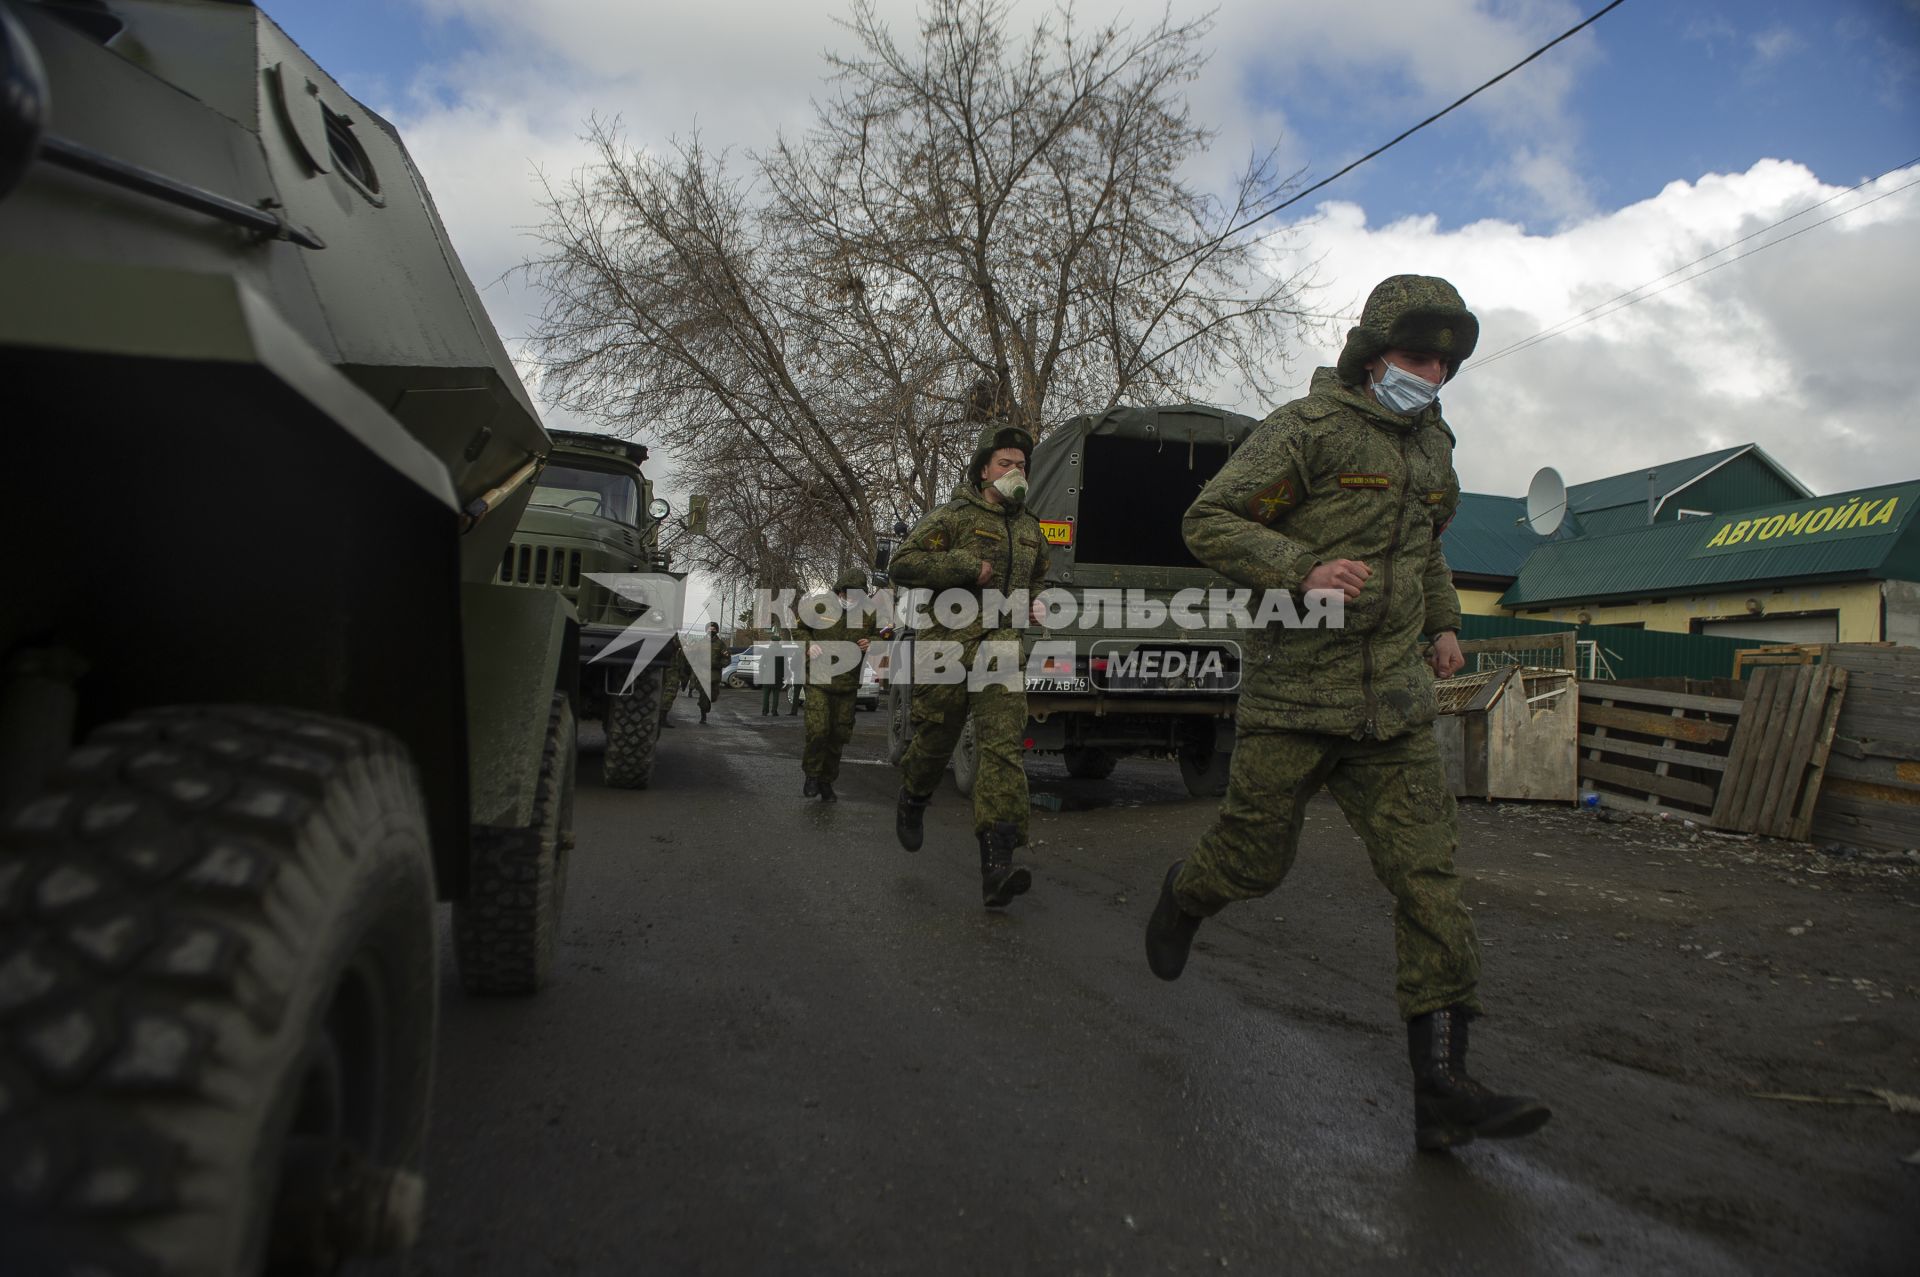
(1630, 653)
(1741, 484)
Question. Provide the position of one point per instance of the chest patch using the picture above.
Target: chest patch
(1436, 497)
(989, 533)
(1270, 500)
(1378, 482)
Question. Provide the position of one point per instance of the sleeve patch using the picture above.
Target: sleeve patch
(936, 541)
(1270, 500)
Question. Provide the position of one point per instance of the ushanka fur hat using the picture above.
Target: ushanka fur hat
(1410, 312)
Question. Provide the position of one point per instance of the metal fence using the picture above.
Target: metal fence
(1618, 652)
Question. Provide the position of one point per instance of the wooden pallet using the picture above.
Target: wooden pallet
(1773, 775)
(1655, 750)
(1797, 654)
(1754, 765)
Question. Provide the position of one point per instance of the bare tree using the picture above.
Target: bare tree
(967, 206)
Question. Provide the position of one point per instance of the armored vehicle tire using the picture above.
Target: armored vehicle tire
(1205, 770)
(899, 721)
(633, 729)
(506, 930)
(217, 999)
(1090, 764)
(966, 759)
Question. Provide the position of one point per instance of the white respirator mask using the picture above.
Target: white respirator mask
(1401, 391)
(1012, 486)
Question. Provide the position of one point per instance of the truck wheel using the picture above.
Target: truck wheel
(1090, 764)
(899, 721)
(966, 759)
(505, 932)
(217, 999)
(633, 728)
(1204, 768)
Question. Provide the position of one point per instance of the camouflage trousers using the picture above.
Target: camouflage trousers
(999, 712)
(829, 728)
(1394, 794)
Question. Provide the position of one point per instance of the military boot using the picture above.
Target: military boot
(907, 815)
(811, 789)
(1170, 930)
(1000, 879)
(1449, 1107)
(826, 792)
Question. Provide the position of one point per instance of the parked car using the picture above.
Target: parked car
(867, 695)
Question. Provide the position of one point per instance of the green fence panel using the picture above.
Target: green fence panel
(1628, 652)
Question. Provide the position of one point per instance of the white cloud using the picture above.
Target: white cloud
(1800, 349)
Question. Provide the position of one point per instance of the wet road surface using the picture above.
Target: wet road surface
(776, 1043)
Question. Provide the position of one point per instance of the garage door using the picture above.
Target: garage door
(1781, 629)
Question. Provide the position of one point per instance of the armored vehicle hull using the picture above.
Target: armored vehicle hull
(261, 700)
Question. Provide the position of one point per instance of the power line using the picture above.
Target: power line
(1327, 181)
(1628, 298)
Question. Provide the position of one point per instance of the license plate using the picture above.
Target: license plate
(1058, 685)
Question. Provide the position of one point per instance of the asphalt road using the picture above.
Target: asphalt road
(776, 1043)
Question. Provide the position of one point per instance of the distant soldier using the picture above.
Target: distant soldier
(984, 538)
(830, 696)
(716, 664)
(1349, 489)
(675, 682)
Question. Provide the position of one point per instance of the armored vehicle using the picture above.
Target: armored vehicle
(1110, 490)
(262, 701)
(594, 516)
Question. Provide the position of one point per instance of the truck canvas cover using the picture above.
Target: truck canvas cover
(1110, 489)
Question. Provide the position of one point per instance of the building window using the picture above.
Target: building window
(1692, 514)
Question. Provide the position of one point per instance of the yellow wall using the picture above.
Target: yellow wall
(1857, 602)
(1480, 602)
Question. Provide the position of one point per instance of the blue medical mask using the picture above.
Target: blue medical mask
(1400, 391)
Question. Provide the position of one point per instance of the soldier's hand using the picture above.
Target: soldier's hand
(861, 643)
(1344, 575)
(986, 574)
(1446, 657)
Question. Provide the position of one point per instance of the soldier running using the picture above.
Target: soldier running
(982, 539)
(1349, 489)
(830, 696)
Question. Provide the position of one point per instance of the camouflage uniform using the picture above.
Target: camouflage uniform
(830, 702)
(716, 665)
(1338, 476)
(673, 680)
(944, 552)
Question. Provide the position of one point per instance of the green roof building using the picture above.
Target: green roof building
(1727, 543)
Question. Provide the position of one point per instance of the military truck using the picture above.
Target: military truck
(593, 513)
(262, 701)
(1109, 490)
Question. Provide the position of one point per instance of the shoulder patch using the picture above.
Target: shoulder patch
(936, 541)
(1263, 505)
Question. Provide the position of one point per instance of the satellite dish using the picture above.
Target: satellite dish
(1546, 502)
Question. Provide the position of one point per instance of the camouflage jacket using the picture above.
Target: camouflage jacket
(1337, 476)
(944, 550)
(843, 629)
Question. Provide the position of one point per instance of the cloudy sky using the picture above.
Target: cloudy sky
(1668, 130)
